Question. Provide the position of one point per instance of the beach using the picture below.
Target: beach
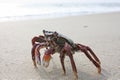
(101, 32)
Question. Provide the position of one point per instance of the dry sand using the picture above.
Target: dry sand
(99, 31)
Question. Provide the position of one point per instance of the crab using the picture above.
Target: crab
(55, 42)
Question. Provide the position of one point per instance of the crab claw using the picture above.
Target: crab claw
(47, 57)
(46, 60)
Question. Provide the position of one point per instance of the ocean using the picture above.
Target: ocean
(40, 10)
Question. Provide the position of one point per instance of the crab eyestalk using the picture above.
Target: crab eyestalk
(46, 60)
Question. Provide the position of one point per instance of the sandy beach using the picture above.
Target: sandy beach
(101, 32)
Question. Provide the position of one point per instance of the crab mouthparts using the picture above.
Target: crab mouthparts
(46, 60)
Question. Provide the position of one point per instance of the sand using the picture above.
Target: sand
(101, 32)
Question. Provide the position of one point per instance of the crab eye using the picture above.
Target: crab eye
(43, 31)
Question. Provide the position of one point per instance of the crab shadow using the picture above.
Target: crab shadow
(56, 73)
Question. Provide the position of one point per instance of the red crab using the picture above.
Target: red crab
(55, 42)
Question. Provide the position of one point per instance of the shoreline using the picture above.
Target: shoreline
(40, 17)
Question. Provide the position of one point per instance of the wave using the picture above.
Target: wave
(51, 10)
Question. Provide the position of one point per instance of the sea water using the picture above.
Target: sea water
(38, 9)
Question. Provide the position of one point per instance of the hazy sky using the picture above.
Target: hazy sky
(27, 1)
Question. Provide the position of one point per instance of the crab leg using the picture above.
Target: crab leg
(33, 52)
(90, 50)
(95, 61)
(73, 65)
(93, 54)
(62, 57)
(68, 51)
